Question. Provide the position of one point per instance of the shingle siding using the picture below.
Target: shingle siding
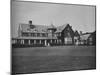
(40, 35)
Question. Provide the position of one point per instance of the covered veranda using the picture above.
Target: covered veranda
(35, 41)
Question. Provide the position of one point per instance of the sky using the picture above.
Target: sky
(81, 18)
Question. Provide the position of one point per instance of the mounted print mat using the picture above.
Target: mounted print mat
(52, 37)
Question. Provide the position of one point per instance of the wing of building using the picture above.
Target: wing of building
(88, 38)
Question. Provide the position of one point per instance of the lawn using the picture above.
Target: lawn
(48, 59)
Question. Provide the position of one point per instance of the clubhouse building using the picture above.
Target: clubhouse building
(41, 35)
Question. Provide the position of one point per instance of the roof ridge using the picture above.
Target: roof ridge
(32, 24)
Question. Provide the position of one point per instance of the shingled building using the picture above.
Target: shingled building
(41, 35)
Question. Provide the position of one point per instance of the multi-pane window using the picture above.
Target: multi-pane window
(44, 34)
(35, 34)
(90, 39)
(25, 34)
(68, 34)
(32, 35)
(38, 34)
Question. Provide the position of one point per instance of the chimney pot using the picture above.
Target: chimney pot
(30, 22)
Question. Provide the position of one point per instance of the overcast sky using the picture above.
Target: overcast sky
(81, 18)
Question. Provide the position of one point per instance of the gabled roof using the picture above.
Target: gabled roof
(37, 28)
(93, 35)
(85, 36)
(61, 28)
(76, 33)
(41, 28)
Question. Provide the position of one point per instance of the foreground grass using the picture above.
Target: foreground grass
(47, 59)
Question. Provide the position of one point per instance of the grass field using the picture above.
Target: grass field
(48, 59)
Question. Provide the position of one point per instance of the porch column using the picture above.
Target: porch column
(60, 41)
(51, 41)
(40, 41)
(28, 42)
(20, 41)
(23, 41)
(45, 42)
(15, 41)
(57, 41)
(34, 41)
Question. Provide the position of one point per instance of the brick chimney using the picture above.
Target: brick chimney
(30, 22)
(31, 25)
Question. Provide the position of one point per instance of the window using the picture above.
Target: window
(28, 34)
(32, 34)
(90, 39)
(44, 35)
(38, 34)
(68, 34)
(35, 34)
(25, 34)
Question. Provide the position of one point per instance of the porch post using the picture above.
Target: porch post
(51, 40)
(57, 41)
(20, 41)
(23, 41)
(40, 41)
(15, 41)
(45, 42)
(29, 42)
(34, 41)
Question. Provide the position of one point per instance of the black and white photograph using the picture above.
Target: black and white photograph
(52, 37)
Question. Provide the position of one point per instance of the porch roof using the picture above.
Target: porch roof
(35, 38)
